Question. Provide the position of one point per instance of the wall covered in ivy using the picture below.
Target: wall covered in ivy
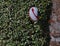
(16, 28)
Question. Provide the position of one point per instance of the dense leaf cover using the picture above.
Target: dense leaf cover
(16, 28)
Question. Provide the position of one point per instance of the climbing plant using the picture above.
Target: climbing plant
(16, 28)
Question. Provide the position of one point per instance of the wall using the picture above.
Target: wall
(55, 24)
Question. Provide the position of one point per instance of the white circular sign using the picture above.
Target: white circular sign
(33, 13)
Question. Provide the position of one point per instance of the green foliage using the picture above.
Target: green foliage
(16, 29)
